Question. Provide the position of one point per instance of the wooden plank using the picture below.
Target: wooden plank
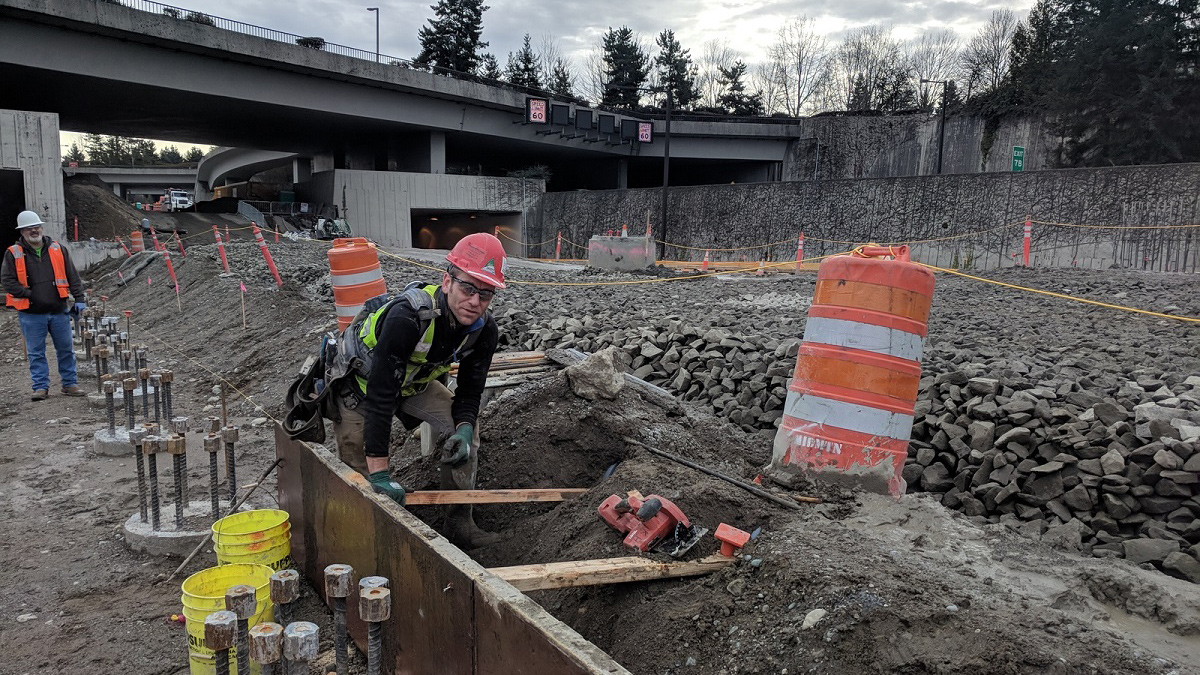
(604, 571)
(426, 497)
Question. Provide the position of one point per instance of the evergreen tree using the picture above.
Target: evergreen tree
(1128, 78)
(451, 40)
(625, 64)
(561, 80)
(170, 155)
(734, 98)
(895, 90)
(193, 155)
(1034, 55)
(522, 69)
(489, 68)
(74, 154)
(116, 150)
(676, 70)
(142, 152)
(93, 146)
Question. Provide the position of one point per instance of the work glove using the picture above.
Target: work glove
(79, 307)
(457, 449)
(384, 485)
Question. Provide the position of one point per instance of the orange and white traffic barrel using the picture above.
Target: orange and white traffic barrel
(135, 241)
(356, 276)
(849, 410)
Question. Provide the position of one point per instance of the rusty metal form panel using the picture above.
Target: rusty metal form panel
(449, 615)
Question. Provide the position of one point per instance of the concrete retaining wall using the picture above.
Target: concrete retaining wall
(379, 204)
(29, 143)
(975, 218)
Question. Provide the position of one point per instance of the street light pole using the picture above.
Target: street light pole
(376, 10)
(941, 122)
(666, 176)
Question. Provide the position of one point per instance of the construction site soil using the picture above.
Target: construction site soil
(858, 583)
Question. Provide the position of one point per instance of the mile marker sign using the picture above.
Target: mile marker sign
(1018, 158)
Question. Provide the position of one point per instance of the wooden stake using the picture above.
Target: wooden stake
(427, 497)
(546, 576)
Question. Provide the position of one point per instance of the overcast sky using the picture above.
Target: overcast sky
(749, 26)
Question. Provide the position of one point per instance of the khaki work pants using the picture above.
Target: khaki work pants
(431, 406)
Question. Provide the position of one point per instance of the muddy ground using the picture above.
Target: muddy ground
(906, 587)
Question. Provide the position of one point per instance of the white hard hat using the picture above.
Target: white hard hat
(28, 219)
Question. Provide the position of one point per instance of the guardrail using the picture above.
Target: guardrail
(253, 215)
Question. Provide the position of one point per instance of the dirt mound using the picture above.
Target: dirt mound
(102, 214)
(897, 587)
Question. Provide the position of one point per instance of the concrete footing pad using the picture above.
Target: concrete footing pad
(197, 521)
(100, 401)
(112, 444)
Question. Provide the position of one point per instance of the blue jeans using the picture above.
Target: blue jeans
(58, 326)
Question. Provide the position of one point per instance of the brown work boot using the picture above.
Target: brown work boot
(73, 390)
(39, 395)
(463, 532)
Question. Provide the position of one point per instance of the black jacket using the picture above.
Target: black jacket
(42, 294)
(398, 336)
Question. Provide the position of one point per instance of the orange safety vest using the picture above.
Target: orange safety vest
(60, 274)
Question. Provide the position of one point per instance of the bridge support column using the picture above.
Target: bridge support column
(622, 174)
(437, 152)
(117, 190)
(301, 169)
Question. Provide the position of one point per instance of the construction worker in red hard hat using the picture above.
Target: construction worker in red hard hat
(392, 359)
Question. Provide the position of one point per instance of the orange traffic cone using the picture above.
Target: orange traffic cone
(760, 271)
(624, 231)
(704, 265)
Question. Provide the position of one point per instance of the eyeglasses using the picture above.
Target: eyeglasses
(472, 290)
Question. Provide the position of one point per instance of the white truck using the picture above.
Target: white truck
(176, 200)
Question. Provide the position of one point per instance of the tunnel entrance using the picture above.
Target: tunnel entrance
(441, 229)
(12, 202)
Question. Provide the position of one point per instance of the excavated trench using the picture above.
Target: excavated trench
(856, 584)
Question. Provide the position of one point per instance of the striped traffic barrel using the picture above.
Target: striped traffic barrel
(849, 409)
(135, 242)
(356, 276)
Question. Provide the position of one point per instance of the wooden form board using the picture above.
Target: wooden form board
(546, 576)
(425, 497)
(449, 615)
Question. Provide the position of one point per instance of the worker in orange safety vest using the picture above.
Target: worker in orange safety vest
(38, 279)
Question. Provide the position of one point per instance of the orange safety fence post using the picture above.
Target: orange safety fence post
(122, 243)
(850, 405)
(154, 236)
(227, 237)
(1028, 238)
(558, 247)
(800, 253)
(262, 245)
(179, 240)
(276, 228)
(76, 228)
(221, 248)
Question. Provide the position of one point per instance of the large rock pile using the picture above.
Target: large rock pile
(1105, 465)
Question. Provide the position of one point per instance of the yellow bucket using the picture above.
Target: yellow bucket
(261, 537)
(204, 593)
(247, 527)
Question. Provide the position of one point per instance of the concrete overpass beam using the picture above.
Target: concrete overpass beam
(622, 174)
(302, 169)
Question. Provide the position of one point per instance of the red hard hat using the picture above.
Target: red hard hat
(481, 256)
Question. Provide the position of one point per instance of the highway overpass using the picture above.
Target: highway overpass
(133, 183)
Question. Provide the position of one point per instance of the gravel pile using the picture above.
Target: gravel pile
(1074, 424)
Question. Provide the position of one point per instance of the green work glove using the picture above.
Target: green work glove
(457, 449)
(384, 485)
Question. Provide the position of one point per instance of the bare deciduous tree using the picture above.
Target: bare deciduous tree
(798, 62)
(985, 59)
(715, 55)
(934, 55)
(862, 64)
